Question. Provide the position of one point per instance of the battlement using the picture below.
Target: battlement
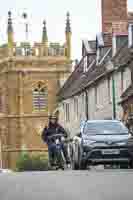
(45, 48)
(36, 49)
(3, 51)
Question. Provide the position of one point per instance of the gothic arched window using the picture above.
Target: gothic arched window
(40, 98)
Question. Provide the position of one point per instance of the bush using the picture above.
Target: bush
(28, 162)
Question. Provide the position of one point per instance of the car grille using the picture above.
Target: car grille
(97, 153)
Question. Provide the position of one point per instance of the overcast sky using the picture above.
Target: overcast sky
(85, 17)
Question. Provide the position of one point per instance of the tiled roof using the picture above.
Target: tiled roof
(78, 80)
(122, 56)
(73, 77)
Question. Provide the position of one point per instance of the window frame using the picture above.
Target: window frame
(76, 107)
(85, 63)
(109, 82)
(122, 81)
(39, 98)
(67, 112)
(96, 95)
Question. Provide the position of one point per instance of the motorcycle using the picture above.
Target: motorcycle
(57, 159)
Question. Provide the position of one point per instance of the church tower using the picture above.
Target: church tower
(29, 89)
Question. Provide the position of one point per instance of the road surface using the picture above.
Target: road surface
(68, 185)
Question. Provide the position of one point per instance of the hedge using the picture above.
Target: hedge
(28, 162)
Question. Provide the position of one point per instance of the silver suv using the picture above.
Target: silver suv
(101, 142)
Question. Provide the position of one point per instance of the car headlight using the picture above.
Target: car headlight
(87, 142)
(122, 143)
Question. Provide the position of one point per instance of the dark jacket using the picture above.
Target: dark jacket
(52, 130)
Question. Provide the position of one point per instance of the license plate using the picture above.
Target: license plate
(111, 151)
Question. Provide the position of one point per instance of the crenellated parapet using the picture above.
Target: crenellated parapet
(38, 49)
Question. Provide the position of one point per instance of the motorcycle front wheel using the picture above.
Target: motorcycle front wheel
(60, 160)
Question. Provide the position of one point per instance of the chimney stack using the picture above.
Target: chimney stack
(114, 16)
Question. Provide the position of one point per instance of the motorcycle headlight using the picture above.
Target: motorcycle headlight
(62, 138)
(57, 141)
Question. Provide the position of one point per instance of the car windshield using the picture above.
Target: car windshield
(104, 128)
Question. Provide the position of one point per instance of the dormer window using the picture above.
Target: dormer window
(130, 36)
(85, 64)
(98, 56)
(99, 46)
(118, 40)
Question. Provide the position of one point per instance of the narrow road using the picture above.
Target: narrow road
(68, 185)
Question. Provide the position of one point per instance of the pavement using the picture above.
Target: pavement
(68, 185)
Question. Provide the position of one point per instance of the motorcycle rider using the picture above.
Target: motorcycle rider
(54, 128)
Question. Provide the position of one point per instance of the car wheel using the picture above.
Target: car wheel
(75, 157)
(83, 165)
(75, 166)
(124, 166)
(82, 162)
(131, 164)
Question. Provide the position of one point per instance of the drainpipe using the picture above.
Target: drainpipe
(113, 97)
(110, 68)
(86, 105)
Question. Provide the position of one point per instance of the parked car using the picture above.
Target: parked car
(101, 142)
(130, 146)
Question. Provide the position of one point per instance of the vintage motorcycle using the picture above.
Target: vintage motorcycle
(56, 158)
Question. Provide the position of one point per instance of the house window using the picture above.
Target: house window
(67, 112)
(109, 90)
(126, 78)
(74, 105)
(40, 98)
(76, 109)
(122, 81)
(85, 63)
(83, 99)
(96, 95)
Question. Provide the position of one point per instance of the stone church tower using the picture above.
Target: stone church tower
(30, 77)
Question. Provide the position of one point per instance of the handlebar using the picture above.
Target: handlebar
(55, 136)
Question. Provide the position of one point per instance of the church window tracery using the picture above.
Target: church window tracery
(40, 98)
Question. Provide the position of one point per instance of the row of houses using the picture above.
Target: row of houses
(101, 83)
